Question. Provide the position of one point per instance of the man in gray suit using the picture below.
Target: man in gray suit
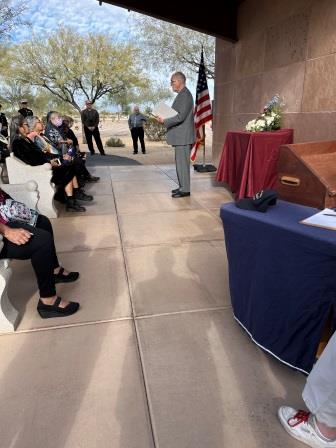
(181, 132)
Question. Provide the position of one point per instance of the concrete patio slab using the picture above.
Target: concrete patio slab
(210, 386)
(167, 279)
(206, 183)
(102, 289)
(99, 188)
(73, 387)
(153, 202)
(150, 186)
(102, 204)
(136, 176)
(169, 227)
(213, 198)
(86, 232)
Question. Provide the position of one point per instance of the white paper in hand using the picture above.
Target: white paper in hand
(164, 111)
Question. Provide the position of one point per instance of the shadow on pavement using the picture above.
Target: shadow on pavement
(108, 160)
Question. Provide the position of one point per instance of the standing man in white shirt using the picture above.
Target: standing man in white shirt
(136, 123)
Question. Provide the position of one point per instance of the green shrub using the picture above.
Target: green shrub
(154, 131)
(115, 142)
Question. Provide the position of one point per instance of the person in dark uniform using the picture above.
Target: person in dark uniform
(4, 152)
(24, 111)
(3, 123)
(136, 123)
(90, 119)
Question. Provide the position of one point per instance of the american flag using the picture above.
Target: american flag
(202, 112)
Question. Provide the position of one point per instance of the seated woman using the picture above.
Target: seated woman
(63, 175)
(68, 133)
(24, 241)
(35, 134)
(54, 133)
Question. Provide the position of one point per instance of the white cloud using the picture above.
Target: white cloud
(84, 16)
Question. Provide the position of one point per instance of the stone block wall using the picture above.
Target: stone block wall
(286, 47)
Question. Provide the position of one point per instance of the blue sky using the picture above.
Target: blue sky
(83, 15)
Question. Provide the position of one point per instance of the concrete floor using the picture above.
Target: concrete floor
(154, 357)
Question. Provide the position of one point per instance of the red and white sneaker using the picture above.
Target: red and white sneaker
(302, 426)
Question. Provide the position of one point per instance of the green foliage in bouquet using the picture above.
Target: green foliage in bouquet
(270, 119)
(154, 131)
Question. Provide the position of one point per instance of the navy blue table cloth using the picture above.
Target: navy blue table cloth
(282, 278)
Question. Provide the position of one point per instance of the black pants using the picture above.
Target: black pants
(96, 135)
(80, 168)
(138, 133)
(40, 249)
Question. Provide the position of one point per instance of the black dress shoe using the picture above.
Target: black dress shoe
(62, 278)
(176, 190)
(92, 179)
(54, 310)
(180, 194)
(135, 152)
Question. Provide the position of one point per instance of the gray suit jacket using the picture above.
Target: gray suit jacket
(181, 128)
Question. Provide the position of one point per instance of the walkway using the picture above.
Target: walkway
(154, 358)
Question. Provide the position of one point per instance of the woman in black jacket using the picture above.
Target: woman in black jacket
(63, 175)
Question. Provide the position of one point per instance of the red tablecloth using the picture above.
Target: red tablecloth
(249, 160)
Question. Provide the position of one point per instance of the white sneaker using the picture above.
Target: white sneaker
(301, 425)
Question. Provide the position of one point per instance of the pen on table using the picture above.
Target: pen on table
(329, 214)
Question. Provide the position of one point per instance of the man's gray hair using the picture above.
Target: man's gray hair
(180, 75)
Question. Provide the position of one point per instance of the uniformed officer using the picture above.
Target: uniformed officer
(24, 109)
(3, 123)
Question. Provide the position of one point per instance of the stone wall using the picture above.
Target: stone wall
(286, 47)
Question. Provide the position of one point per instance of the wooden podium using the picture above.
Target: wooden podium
(307, 174)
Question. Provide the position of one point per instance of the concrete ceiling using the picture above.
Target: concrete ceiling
(219, 21)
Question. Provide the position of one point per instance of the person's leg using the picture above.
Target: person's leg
(40, 249)
(182, 157)
(318, 426)
(177, 165)
(88, 136)
(44, 223)
(134, 134)
(319, 393)
(97, 138)
(141, 134)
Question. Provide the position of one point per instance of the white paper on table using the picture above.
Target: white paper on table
(325, 218)
(164, 111)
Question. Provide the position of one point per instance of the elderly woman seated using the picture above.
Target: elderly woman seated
(63, 174)
(57, 133)
(29, 236)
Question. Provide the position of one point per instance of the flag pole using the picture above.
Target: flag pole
(203, 126)
(202, 114)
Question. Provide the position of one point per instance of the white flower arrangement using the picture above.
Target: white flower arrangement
(270, 119)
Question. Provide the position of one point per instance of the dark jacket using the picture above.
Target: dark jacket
(25, 150)
(4, 123)
(25, 112)
(90, 118)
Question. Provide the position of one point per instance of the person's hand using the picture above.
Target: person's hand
(69, 141)
(54, 162)
(67, 157)
(92, 128)
(159, 119)
(17, 236)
